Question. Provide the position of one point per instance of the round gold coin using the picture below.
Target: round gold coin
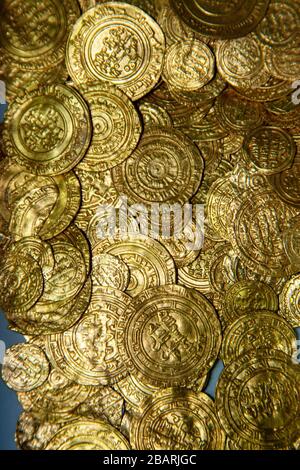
(48, 130)
(88, 353)
(176, 332)
(118, 43)
(189, 65)
(287, 184)
(85, 434)
(245, 297)
(217, 19)
(177, 419)
(21, 283)
(166, 167)
(116, 126)
(258, 330)
(24, 367)
(257, 400)
(289, 301)
(149, 263)
(109, 271)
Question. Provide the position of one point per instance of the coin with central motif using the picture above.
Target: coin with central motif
(169, 335)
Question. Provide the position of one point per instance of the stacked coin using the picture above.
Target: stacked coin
(149, 218)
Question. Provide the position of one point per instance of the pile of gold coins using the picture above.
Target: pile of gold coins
(168, 102)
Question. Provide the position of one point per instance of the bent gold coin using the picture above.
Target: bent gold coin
(25, 367)
(48, 130)
(177, 419)
(118, 43)
(176, 332)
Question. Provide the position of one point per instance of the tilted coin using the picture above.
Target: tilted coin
(219, 20)
(257, 400)
(118, 43)
(88, 352)
(289, 301)
(109, 271)
(24, 367)
(176, 419)
(176, 332)
(87, 434)
(154, 115)
(257, 330)
(116, 126)
(245, 297)
(48, 130)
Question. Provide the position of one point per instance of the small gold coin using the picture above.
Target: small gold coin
(221, 20)
(189, 65)
(289, 301)
(176, 332)
(109, 271)
(88, 352)
(257, 400)
(262, 329)
(85, 434)
(246, 297)
(177, 419)
(116, 126)
(21, 283)
(24, 367)
(118, 43)
(48, 130)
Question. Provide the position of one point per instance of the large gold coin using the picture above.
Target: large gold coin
(176, 332)
(87, 434)
(117, 43)
(116, 126)
(262, 329)
(166, 167)
(177, 419)
(289, 301)
(24, 367)
(88, 352)
(150, 264)
(217, 19)
(258, 400)
(48, 130)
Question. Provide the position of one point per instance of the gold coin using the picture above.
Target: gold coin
(33, 36)
(149, 263)
(225, 268)
(176, 332)
(289, 300)
(291, 243)
(246, 297)
(271, 89)
(252, 332)
(219, 20)
(85, 434)
(259, 220)
(21, 283)
(174, 29)
(24, 367)
(270, 149)
(206, 130)
(154, 115)
(257, 400)
(48, 130)
(283, 62)
(55, 399)
(287, 184)
(109, 271)
(189, 65)
(177, 419)
(88, 352)
(148, 176)
(116, 126)
(118, 43)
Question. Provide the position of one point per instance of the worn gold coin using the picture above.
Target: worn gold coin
(116, 126)
(176, 332)
(48, 130)
(177, 419)
(24, 367)
(289, 301)
(118, 43)
(109, 271)
(87, 434)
